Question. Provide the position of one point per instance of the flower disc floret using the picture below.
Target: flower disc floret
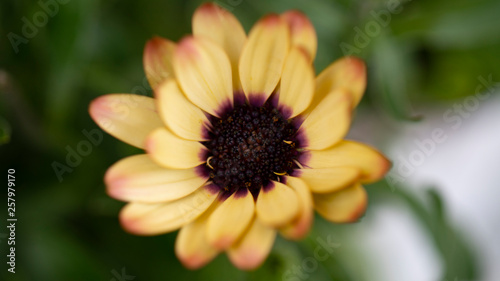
(250, 146)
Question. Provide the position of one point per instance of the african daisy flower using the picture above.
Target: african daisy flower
(241, 140)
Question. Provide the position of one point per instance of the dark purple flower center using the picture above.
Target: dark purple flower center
(250, 146)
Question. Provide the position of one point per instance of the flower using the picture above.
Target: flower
(241, 140)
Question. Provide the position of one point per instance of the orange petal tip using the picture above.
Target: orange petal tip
(209, 8)
(99, 107)
(149, 145)
(129, 225)
(192, 262)
(358, 212)
(301, 230)
(296, 19)
(114, 183)
(248, 261)
(187, 46)
(154, 43)
(356, 65)
(386, 165)
(223, 242)
(271, 20)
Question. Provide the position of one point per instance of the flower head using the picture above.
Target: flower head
(241, 140)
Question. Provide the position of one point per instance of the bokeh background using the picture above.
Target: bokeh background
(432, 65)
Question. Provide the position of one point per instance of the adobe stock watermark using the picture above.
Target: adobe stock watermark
(74, 155)
(380, 19)
(324, 250)
(48, 9)
(454, 116)
(123, 276)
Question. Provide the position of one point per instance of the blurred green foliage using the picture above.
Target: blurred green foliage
(68, 229)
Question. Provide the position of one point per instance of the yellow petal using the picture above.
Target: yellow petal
(203, 71)
(211, 21)
(173, 152)
(254, 246)
(299, 227)
(181, 116)
(346, 205)
(328, 122)
(348, 73)
(263, 57)
(329, 179)
(157, 60)
(297, 83)
(230, 220)
(302, 32)
(372, 164)
(152, 219)
(138, 178)
(191, 246)
(129, 118)
(277, 205)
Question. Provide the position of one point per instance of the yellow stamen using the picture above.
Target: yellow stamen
(287, 142)
(208, 162)
(280, 174)
(298, 164)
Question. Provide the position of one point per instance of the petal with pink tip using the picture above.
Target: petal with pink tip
(302, 32)
(254, 246)
(263, 57)
(129, 118)
(222, 27)
(203, 71)
(230, 220)
(138, 178)
(342, 206)
(348, 74)
(191, 246)
(372, 164)
(299, 227)
(157, 60)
